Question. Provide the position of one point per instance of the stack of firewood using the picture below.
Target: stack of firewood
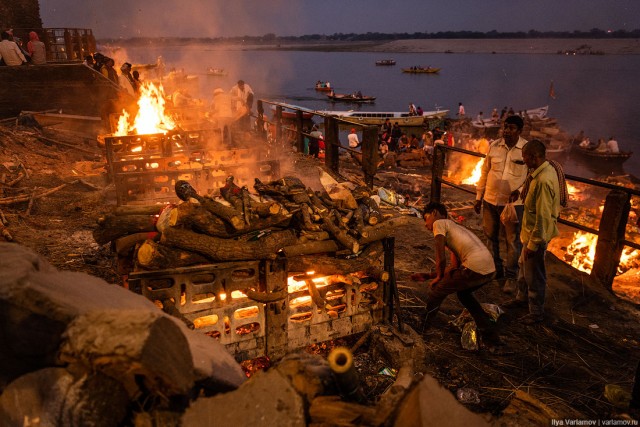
(282, 215)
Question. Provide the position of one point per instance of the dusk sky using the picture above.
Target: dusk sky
(216, 18)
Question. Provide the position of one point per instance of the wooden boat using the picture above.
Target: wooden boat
(602, 157)
(292, 115)
(77, 124)
(485, 124)
(418, 70)
(539, 113)
(216, 72)
(378, 118)
(323, 87)
(351, 98)
(386, 62)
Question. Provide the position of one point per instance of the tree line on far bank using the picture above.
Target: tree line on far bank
(271, 38)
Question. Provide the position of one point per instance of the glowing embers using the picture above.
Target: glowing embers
(475, 174)
(250, 315)
(581, 253)
(582, 250)
(151, 117)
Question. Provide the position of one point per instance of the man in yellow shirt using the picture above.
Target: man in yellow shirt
(539, 226)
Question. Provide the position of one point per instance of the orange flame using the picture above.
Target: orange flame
(583, 251)
(151, 117)
(475, 175)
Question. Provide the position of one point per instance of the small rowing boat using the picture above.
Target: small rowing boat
(216, 72)
(323, 86)
(359, 98)
(386, 62)
(419, 70)
(602, 157)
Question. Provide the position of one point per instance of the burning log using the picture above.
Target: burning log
(154, 256)
(227, 249)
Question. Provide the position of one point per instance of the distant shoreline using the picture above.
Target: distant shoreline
(455, 46)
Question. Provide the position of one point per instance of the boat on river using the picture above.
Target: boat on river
(532, 113)
(419, 70)
(352, 97)
(386, 62)
(602, 157)
(323, 86)
(216, 72)
(378, 117)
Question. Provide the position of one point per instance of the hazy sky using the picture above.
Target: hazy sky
(215, 18)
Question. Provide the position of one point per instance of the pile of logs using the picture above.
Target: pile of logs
(283, 216)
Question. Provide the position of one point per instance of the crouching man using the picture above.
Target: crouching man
(470, 268)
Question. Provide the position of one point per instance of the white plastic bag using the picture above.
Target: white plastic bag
(509, 214)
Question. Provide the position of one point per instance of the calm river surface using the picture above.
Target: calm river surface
(597, 94)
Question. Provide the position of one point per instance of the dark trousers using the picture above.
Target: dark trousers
(532, 281)
(463, 282)
(492, 226)
(314, 147)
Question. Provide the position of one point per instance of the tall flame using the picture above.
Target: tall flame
(475, 175)
(151, 117)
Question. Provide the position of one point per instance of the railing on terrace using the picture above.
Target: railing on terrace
(611, 231)
(62, 44)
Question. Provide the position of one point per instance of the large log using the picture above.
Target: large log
(339, 234)
(155, 256)
(111, 227)
(198, 218)
(327, 265)
(228, 249)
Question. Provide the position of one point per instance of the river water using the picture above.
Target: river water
(597, 94)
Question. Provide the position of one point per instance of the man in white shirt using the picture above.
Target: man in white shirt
(612, 145)
(10, 52)
(503, 174)
(354, 142)
(242, 95)
(471, 267)
(461, 111)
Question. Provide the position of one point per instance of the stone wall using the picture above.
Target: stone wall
(20, 14)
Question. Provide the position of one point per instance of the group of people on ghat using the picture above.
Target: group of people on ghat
(516, 176)
(128, 80)
(14, 53)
